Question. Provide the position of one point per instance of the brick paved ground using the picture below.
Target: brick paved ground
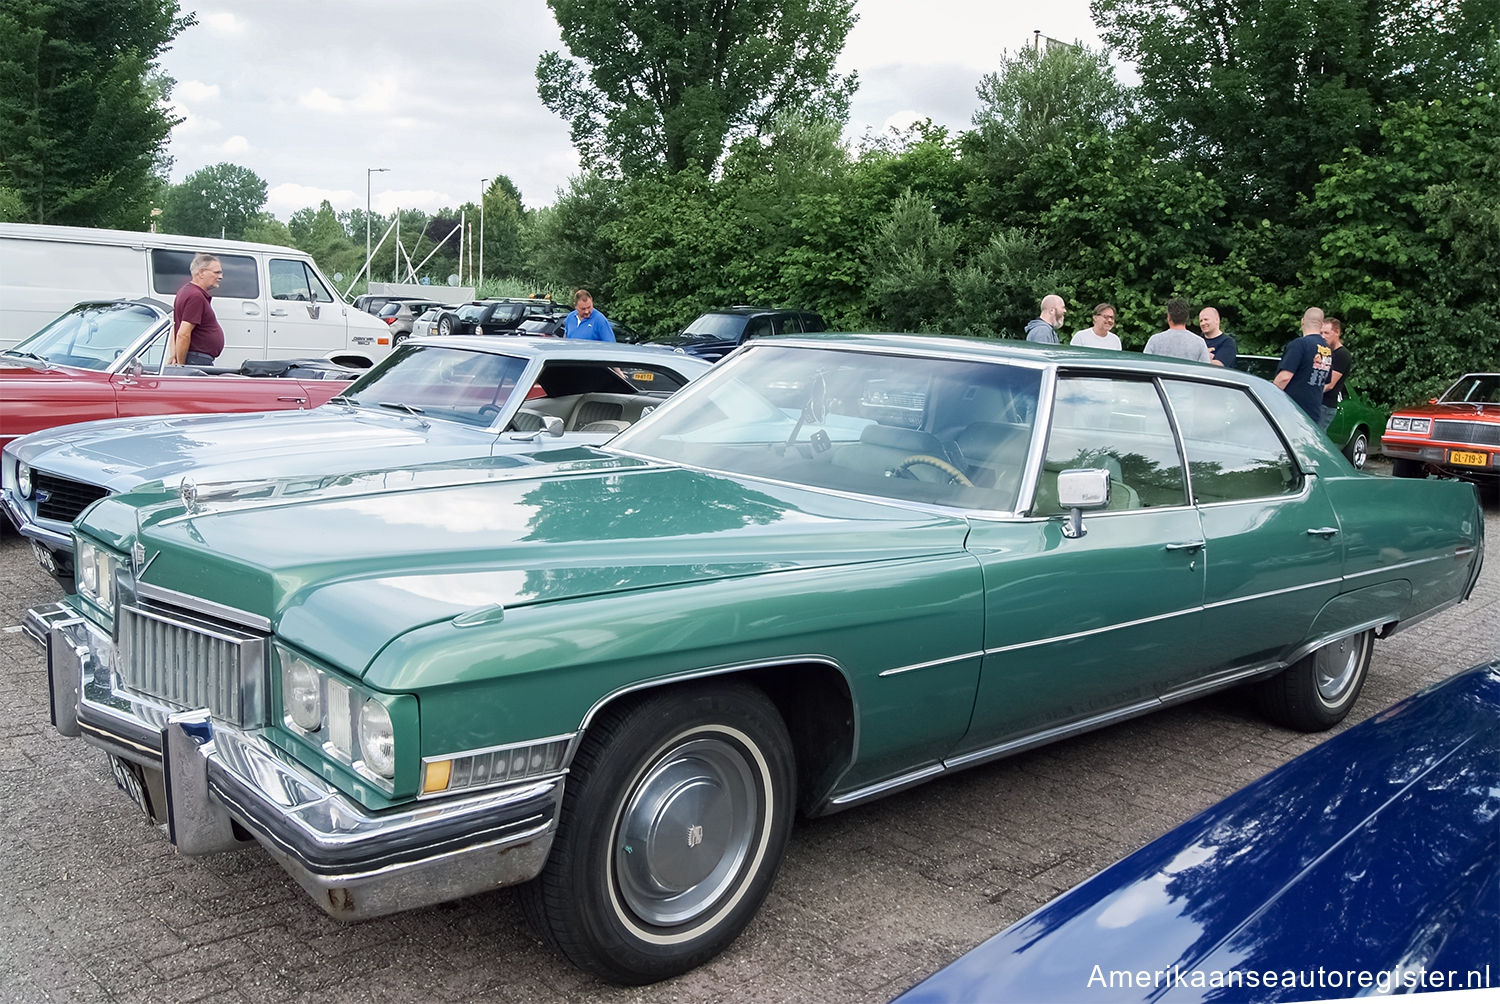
(95, 907)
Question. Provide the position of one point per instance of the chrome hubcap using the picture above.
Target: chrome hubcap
(1335, 666)
(685, 831)
(1361, 451)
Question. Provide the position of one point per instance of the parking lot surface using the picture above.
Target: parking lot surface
(95, 906)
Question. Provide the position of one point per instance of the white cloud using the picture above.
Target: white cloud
(196, 91)
(222, 23)
(192, 125)
(235, 144)
(320, 100)
(287, 198)
(425, 199)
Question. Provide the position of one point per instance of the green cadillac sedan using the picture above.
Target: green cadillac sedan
(832, 568)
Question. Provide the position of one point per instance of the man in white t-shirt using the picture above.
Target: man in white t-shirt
(1102, 334)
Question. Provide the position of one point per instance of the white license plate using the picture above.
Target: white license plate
(132, 781)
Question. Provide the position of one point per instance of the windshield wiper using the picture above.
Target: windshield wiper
(342, 399)
(23, 355)
(410, 409)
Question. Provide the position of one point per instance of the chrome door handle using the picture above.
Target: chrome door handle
(1323, 531)
(278, 313)
(1191, 545)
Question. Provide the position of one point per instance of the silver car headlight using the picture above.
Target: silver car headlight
(1401, 424)
(23, 479)
(94, 572)
(1421, 425)
(342, 720)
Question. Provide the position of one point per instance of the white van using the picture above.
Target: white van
(273, 303)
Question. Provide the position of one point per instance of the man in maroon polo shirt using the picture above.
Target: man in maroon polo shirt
(197, 338)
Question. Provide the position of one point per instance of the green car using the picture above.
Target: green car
(1356, 426)
(833, 568)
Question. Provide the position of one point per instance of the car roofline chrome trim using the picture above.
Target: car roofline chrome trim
(220, 611)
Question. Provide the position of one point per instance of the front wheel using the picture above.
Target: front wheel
(1317, 691)
(445, 326)
(674, 821)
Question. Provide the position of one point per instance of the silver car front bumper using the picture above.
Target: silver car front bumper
(215, 787)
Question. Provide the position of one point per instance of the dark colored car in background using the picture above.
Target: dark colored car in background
(1368, 865)
(1355, 428)
(1457, 434)
(494, 317)
(717, 333)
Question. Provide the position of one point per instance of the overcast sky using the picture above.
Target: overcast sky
(310, 93)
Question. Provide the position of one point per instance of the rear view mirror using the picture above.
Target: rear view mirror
(1079, 489)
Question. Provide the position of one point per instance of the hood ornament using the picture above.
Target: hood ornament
(188, 490)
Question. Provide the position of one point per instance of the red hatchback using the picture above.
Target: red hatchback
(104, 360)
(1457, 434)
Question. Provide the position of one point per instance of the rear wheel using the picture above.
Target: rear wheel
(1358, 448)
(674, 822)
(1317, 691)
(1403, 468)
(445, 325)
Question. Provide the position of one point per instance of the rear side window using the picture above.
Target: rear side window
(1233, 450)
(169, 270)
(293, 280)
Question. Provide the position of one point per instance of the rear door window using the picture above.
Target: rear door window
(1234, 452)
(169, 270)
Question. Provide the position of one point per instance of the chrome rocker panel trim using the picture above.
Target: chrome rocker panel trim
(225, 788)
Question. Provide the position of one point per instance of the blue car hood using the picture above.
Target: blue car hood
(123, 453)
(1376, 852)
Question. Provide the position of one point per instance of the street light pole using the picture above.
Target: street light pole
(483, 184)
(369, 171)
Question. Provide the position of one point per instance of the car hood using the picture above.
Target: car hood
(1376, 852)
(341, 565)
(120, 454)
(1472, 410)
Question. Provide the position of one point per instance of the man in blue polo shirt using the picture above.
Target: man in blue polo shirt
(586, 322)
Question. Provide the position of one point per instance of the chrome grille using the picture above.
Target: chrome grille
(1478, 433)
(193, 663)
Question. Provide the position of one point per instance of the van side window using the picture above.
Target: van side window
(293, 280)
(169, 270)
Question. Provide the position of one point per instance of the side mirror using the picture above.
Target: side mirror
(552, 425)
(1079, 489)
(134, 369)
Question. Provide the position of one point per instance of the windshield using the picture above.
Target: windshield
(1475, 388)
(437, 381)
(728, 326)
(90, 336)
(948, 431)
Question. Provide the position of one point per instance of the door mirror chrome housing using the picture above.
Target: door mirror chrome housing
(1079, 489)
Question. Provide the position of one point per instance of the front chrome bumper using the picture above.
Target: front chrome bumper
(26, 526)
(219, 787)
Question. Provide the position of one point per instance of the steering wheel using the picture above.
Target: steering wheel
(955, 476)
(487, 411)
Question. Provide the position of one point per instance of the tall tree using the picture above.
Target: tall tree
(83, 114)
(669, 82)
(220, 200)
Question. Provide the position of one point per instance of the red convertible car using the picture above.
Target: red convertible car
(104, 360)
(1457, 434)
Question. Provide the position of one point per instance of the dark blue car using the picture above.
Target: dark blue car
(1369, 864)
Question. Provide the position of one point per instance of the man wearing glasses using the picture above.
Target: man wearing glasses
(197, 338)
(1102, 334)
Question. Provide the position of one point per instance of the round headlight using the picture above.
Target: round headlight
(23, 480)
(377, 739)
(302, 694)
